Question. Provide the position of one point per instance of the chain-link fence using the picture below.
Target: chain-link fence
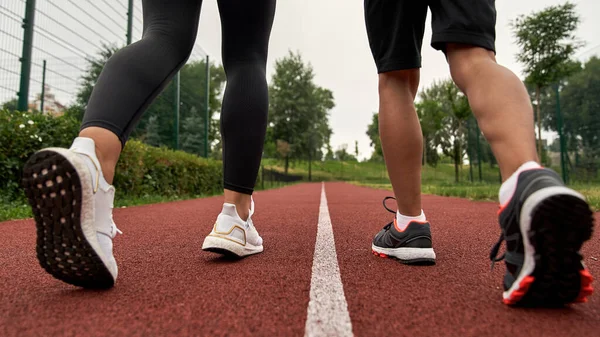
(51, 52)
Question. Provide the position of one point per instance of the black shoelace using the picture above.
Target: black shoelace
(495, 250)
(386, 227)
(384, 205)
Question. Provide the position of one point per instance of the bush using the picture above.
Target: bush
(23, 133)
(142, 169)
(148, 170)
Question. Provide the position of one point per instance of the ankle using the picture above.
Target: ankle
(243, 212)
(241, 201)
(107, 148)
(107, 165)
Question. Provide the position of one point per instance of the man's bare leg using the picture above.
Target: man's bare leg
(401, 137)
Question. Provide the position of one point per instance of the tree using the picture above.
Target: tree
(283, 148)
(447, 111)
(580, 106)
(431, 117)
(93, 70)
(11, 105)
(192, 133)
(298, 109)
(192, 107)
(342, 153)
(547, 43)
(161, 111)
(373, 133)
(152, 129)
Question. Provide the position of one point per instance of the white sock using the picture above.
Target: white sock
(86, 149)
(402, 221)
(510, 185)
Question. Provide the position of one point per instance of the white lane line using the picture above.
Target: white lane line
(327, 309)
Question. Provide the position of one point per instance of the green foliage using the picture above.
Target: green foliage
(75, 112)
(142, 169)
(22, 134)
(444, 111)
(156, 127)
(373, 133)
(342, 154)
(579, 106)
(147, 170)
(547, 43)
(10, 105)
(430, 117)
(298, 111)
(153, 132)
(192, 130)
(93, 71)
(192, 109)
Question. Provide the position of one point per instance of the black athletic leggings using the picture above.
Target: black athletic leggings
(136, 74)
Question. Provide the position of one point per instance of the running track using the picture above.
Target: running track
(168, 286)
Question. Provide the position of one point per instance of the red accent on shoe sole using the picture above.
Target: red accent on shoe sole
(586, 286)
(518, 294)
(382, 255)
(379, 254)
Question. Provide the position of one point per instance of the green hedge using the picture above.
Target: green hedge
(142, 169)
(21, 134)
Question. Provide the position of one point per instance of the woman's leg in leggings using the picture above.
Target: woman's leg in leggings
(246, 27)
(136, 74)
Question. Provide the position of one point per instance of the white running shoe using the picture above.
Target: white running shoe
(233, 236)
(72, 205)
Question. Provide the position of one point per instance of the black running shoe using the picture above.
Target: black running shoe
(544, 225)
(410, 246)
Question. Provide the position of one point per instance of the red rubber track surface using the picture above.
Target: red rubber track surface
(459, 296)
(167, 285)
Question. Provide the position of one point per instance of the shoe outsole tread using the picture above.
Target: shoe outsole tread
(559, 227)
(54, 192)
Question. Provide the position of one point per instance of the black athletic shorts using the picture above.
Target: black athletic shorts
(395, 28)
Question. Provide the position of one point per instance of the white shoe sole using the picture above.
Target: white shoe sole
(63, 208)
(407, 255)
(222, 245)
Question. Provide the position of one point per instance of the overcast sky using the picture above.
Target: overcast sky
(330, 34)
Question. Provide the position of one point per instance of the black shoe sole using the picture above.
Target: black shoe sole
(54, 192)
(559, 227)
(226, 253)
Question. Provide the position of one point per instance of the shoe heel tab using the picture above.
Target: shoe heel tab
(229, 210)
(86, 146)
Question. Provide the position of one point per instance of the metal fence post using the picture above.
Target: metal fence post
(478, 152)
(176, 90)
(470, 149)
(28, 23)
(43, 87)
(563, 150)
(129, 21)
(206, 107)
